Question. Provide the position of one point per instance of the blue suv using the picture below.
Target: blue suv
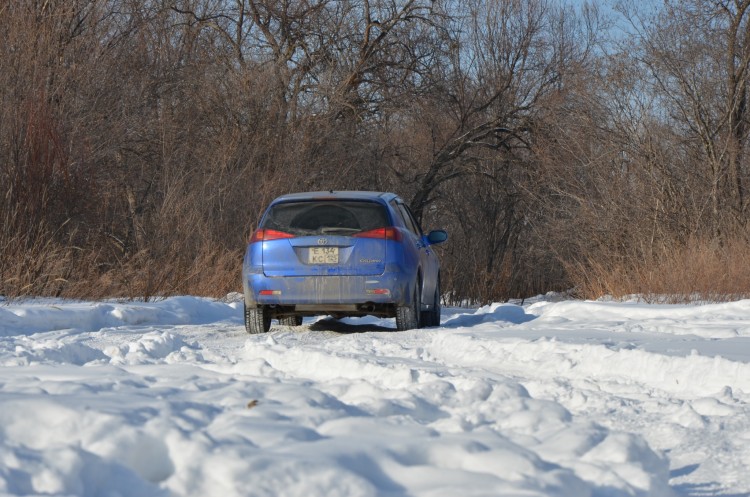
(343, 254)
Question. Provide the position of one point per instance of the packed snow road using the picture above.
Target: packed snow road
(564, 398)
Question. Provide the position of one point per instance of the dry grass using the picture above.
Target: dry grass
(45, 267)
(212, 273)
(697, 271)
(41, 266)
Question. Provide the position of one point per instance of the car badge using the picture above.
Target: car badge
(322, 241)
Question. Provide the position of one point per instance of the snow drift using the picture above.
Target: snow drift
(550, 399)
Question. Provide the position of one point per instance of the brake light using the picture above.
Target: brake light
(264, 235)
(389, 233)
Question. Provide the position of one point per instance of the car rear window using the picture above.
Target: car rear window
(326, 217)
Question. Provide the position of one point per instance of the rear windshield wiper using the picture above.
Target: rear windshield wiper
(340, 230)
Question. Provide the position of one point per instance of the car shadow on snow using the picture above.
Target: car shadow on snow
(343, 327)
(506, 313)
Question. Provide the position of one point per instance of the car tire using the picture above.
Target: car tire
(432, 317)
(290, 321)
(408, 316)
(257, 320)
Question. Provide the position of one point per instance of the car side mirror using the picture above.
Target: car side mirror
(437, 236)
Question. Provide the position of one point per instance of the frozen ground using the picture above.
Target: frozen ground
(567, 398)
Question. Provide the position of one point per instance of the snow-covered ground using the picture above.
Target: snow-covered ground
(563, 398)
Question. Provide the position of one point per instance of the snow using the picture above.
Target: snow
(568, 398)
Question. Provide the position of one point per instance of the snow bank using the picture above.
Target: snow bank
(708, 321)
(32, 317)
(563, 399)
(695, 375)
(461, 433)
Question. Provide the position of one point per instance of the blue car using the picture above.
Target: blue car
(341, 254)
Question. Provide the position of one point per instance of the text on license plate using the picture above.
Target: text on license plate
(323, 255)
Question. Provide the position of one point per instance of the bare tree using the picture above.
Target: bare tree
(506, 58)
(698, 57)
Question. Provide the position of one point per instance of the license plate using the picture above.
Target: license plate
(323, 255)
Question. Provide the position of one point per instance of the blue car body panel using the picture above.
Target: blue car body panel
(365, 275)
(357, 256)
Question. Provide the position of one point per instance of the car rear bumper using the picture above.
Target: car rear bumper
(388, 288)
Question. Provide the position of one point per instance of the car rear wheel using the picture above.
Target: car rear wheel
(290, 321)
(407, 316)
(257, 320)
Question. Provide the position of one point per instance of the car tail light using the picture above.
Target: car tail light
(270, 292)
(389, 233)
(264, 235)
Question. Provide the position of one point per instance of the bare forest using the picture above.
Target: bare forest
(596, 147)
